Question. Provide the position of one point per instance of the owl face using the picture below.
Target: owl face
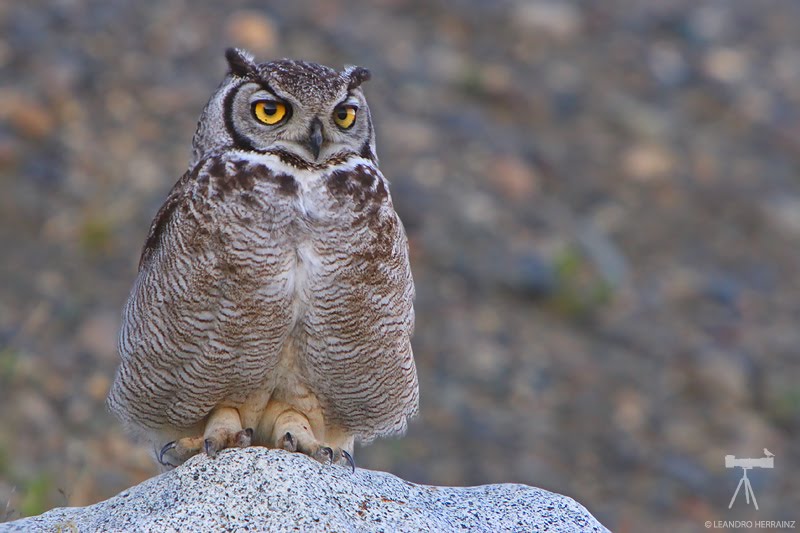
(303, 109)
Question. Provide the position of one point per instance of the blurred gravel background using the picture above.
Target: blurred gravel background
(603, 204)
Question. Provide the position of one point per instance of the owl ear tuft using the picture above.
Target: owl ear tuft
(355, 76)
(240, 62)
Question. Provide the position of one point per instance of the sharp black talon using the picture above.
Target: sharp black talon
(329, 452)
(349, 460)
(289, 438)
(167, 447)
(209, 447)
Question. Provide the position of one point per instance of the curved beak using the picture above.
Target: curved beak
(314, 141)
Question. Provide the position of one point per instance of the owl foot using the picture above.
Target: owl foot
(327, 455)
(182, 449)
(295, 435)
(240, 439)
(337, 456)
(223, 430)
(179, 450)
(319, 452)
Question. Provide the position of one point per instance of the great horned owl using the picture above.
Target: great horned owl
(273, 302)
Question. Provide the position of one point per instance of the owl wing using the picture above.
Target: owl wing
(207, 315)
(360, 320)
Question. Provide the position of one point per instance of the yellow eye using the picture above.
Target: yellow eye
(345, 116)
(269, 111)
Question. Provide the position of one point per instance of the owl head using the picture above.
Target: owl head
(305, 110)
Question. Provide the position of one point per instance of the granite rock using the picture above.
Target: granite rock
(256, 489)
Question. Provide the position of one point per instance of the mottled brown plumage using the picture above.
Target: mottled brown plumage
(273, 303)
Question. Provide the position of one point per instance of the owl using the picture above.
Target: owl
(273, 301)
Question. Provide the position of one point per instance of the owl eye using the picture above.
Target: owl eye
(345, 116)
(270, 111)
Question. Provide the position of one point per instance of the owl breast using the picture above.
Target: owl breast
(275, 282)
(343, 277)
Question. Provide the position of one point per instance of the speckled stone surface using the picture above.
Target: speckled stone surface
(259, 490)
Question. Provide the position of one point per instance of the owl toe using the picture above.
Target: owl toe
(329, 456)
(323, 454)
(176, 452)
(243, 438)
(211, 447)
(288, 442)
